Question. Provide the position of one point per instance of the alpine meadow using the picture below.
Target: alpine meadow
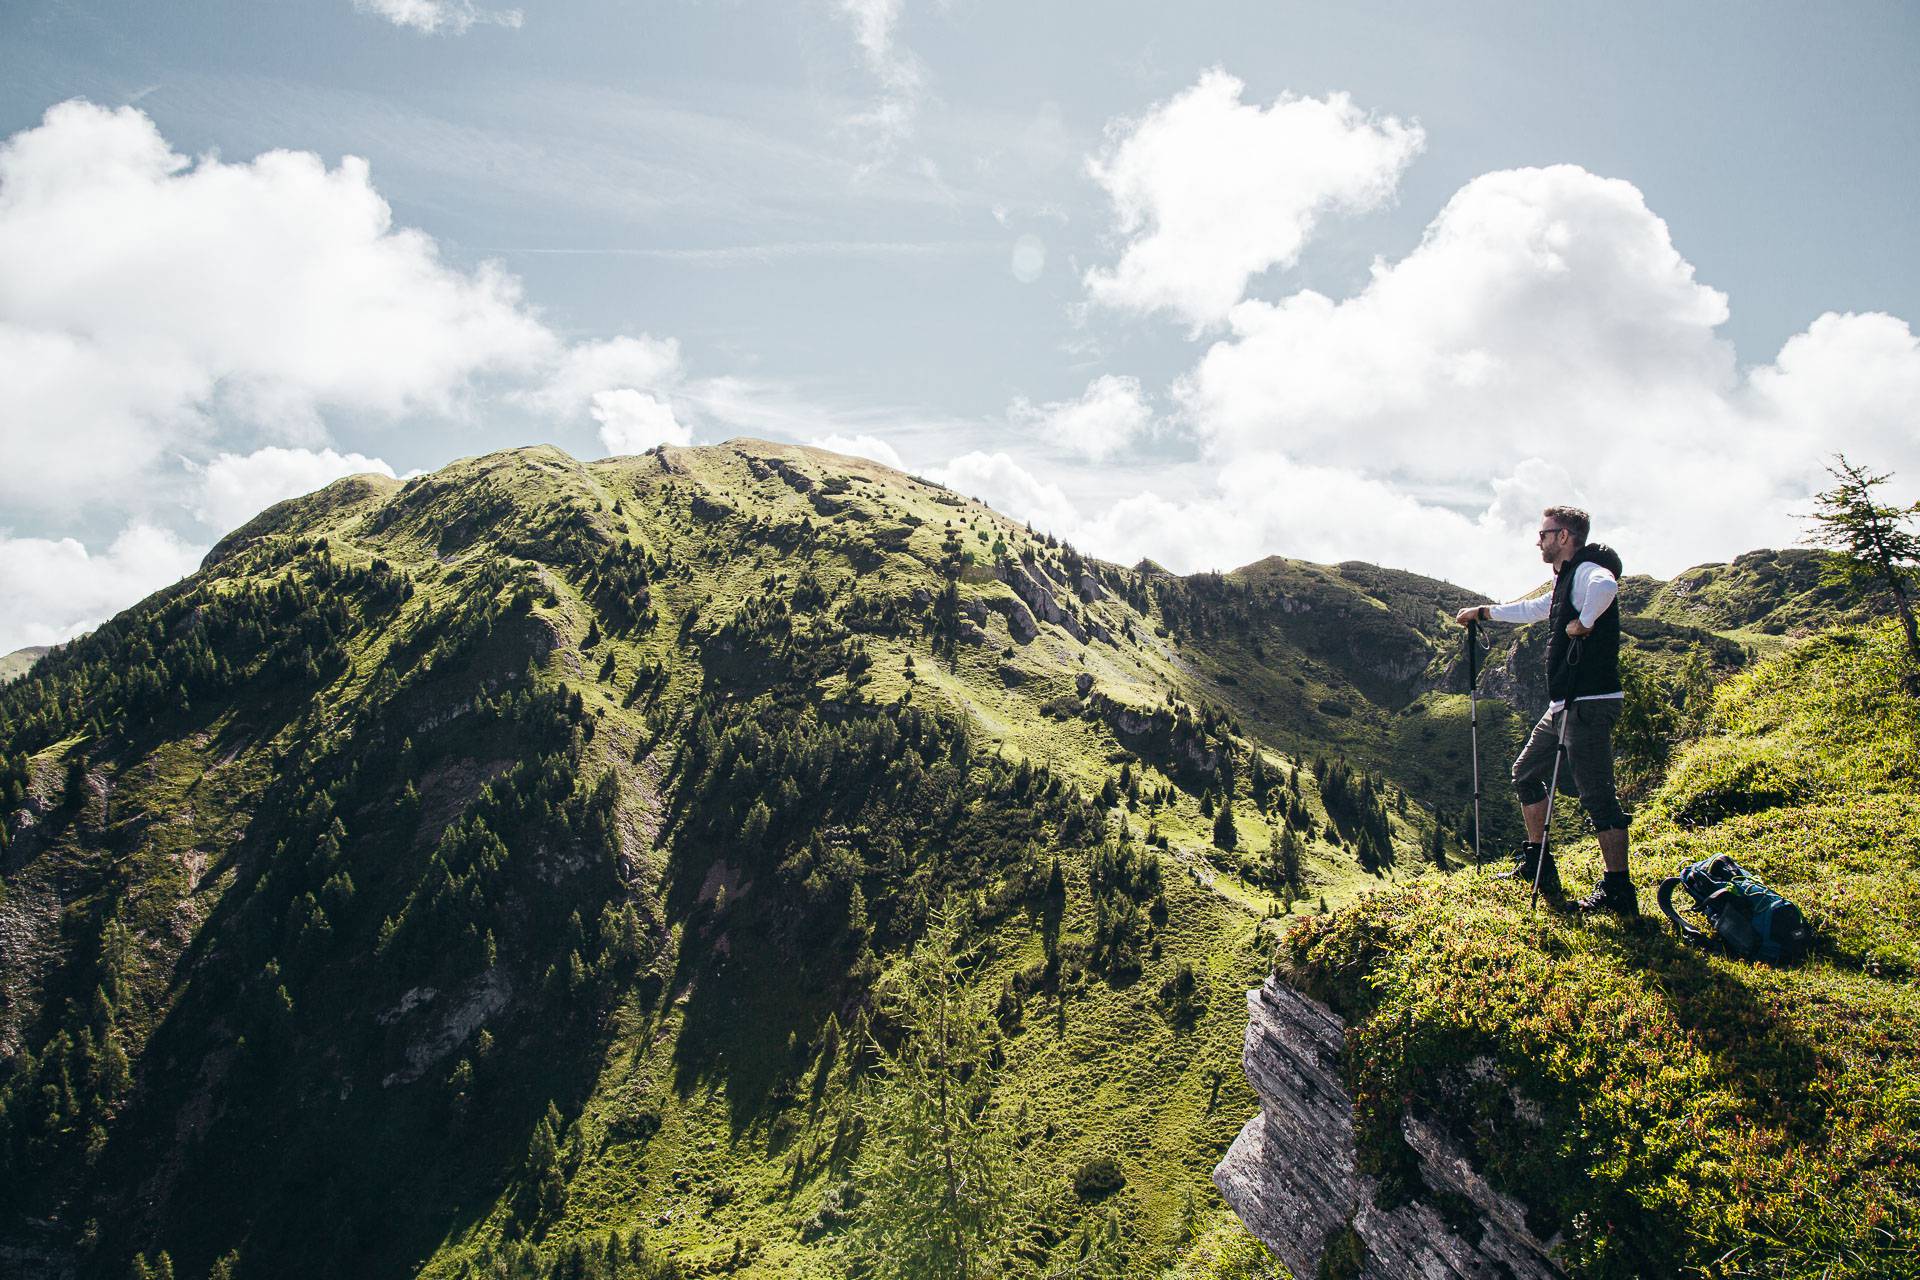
(663, 865)
(898, 640)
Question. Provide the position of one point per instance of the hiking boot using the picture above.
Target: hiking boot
(1550, 891)
(1614, 893)
(1524, 860)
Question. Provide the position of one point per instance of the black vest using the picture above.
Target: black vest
(1590, 665)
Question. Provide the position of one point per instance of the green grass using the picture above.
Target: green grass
(699, 1131)
(19, 662)
(692, 1118)
(1674, 1112)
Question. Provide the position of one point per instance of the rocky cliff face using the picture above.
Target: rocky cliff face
(1292, 1178)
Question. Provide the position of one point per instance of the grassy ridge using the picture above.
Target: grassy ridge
(1673, 1112)
(452, 873)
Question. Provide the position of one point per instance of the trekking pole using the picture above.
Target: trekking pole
(1473, 721)
(1553, 789)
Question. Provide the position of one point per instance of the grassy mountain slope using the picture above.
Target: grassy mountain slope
(449, 874)
(1368, 661)
(1673, 1112)
(1760, 597)
(20, 661)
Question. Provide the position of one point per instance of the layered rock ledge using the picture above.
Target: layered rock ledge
(1291, 1174)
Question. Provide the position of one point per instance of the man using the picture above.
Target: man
(1583, 683)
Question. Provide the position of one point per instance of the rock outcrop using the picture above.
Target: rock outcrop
(1159, 735)
(1292, 1178)
(1020, 623)
(1035, 587)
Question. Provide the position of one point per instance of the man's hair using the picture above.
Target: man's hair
(1572, 519)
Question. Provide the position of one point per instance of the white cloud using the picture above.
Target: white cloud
(143, 295)
(1545, 342)
(1539, 301)
(1265, 504)
(236, 487)
(1547, 331)
(644, 363)
(429, 17)
(1009, 488)
(889, 119)
(1210, 191)
(862, 446)
(633, 422)
(1111, 416)
(156, 310)
(56, 588)
(1852, 381)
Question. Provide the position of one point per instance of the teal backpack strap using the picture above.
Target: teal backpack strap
(1664, 896)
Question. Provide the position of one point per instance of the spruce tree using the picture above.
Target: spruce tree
(1875, 553)
(76, 788)
(545, 1184)
(1225, 834)
(943, 1196)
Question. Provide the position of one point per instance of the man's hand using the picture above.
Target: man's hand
(1576, 629)
(1469, 614)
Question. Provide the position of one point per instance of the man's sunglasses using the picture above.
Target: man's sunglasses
(1544, 534)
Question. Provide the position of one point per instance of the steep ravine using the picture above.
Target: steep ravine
(1292, 1178)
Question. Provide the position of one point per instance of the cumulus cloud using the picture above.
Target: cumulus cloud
(143, 294)
(1110, 417)
(432, 17)
(1003, 484)
(55, 588)
(1210, 191)
(1265, 504)
(862, 446)
(1546, 340)
(1538, 300)
(633, 421)
(156, 309)
(236, 487)
(644, 363)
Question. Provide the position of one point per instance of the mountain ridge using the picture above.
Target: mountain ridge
(590, 799)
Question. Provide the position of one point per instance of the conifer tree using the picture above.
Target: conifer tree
(544, 1182)
(1284, 854)
(1225, 834)
(943, 1196)
(76, 788)
(1876, 553)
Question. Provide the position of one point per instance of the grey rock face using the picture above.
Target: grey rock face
(1156, 732)
(1521, 680)
(1035, 588)
(1291, 1174)
(1020, 623)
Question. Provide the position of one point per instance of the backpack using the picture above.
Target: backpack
(1747, 919)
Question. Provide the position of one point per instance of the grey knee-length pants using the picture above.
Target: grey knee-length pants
(1589, 761)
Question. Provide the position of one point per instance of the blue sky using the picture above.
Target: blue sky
(1203, 283)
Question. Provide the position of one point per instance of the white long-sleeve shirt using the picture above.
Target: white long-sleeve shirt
(1594, 588)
